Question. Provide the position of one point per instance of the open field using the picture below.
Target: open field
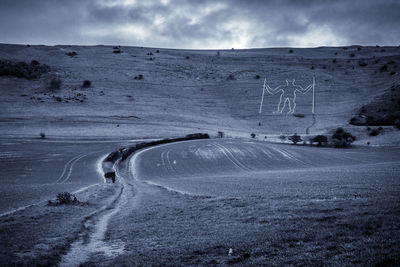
(221, 201)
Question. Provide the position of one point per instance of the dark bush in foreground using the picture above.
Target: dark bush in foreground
(295, 138)
(253, 135)
(22, 69)
(66, 198)
(322, 140)
(342, 139)
(86, 84)
(42, 135)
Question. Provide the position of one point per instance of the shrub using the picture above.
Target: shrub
(320, 139)
(55, 84)
(291, 51)
(253, 135)
(383, 68)
(397, 124)
(352, 55)
(299, 115)
(282, 137)
(334, 60)
(362, 64)
(258, 76)
(187, 57)
(231, 77)
(374, 132)
(158, 51)
(42, 135)
(66, 198)
(149, 54)
(139, 77)
(342, 139)
(22, 69)
(295, 138)
(86, 84)
(71, 54)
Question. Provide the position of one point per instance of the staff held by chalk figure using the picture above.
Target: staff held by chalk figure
(288, 94)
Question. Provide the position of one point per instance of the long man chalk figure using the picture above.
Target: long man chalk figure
(288, 94)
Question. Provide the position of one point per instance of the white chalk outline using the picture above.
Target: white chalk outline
(287, 98)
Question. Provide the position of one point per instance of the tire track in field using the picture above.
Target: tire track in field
(231, 157)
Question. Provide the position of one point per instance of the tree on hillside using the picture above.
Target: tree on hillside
(342, 139)
(320, 139)
(295, 138)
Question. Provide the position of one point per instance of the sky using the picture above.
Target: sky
(201, 24)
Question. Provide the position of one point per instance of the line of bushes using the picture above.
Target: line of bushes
(125, 152)
(22, 69)
(340, 139)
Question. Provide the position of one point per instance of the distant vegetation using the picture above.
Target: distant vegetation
(139, 77)
(25, 70)
(65, 198)
(71, 54)
(42, 135)
(342, 139)
(295, 138)
(322, 140)
(55, 83)
(86, 84)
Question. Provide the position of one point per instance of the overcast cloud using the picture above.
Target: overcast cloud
(201, 24)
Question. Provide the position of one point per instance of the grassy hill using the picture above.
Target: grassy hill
(184, 91)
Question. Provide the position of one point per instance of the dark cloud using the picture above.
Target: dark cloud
(201, 24)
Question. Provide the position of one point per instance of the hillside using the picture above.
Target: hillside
(184, 91)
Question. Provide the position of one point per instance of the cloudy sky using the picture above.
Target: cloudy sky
(201, 24)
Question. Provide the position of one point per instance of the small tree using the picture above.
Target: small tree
(342, 139)
(295, 138)
(320, 139)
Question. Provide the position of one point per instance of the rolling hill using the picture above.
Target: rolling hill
(150, 92)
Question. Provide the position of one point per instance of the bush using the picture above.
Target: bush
(374, 132)
(282, 137)
(42, 135)
(22, 69)
(295, 138)
(352, 55)
(231, 77)
(291, 51)
(320, 139)
(362, 64)
(187, 57)
(66, 198)
(397, 124)
(71, 54)
(139, 77)
(86, 84)
(258, 76)
(384, 68)
(253, 135)
(342, 139)
(55, 84)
